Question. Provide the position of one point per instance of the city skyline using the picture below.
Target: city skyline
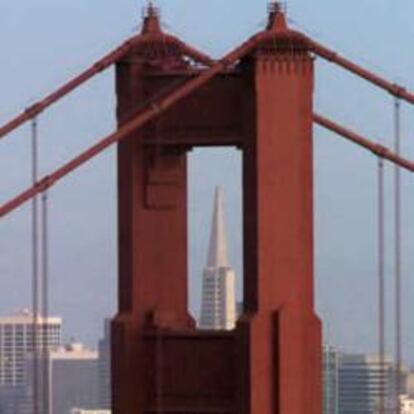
(342, 372)
(343, 260)
(23, 316)
(308, 139)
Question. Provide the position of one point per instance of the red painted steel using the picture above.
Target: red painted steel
(280, 332)
(99, 66)
(147, 37)
(153, 109)
(68, 87)
(377, 149)
(151, 113)
(393, 88)
(271, 361)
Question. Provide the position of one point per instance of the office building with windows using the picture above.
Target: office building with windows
(365, 385)
(330, 373)
(17, 340)
(72, 380)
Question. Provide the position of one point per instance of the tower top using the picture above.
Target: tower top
(277, 16)
(217, 252)
(151, 19)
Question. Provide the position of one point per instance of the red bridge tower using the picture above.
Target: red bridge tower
(262, 105)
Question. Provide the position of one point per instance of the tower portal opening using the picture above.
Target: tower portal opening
(215, 237)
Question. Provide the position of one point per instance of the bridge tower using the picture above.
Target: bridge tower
(262, 105)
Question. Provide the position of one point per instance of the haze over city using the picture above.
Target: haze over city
(46, 42)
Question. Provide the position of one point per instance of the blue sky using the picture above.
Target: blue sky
(45, 42)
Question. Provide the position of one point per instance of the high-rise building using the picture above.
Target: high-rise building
(15, 399)
(73, 379)
(365, 385)
(104, 349)
(16, 341)
(330, 372)
(218, 308)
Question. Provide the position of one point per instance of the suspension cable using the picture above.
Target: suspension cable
(66, 88)
(45, 302)
(398, 259)
(35, 270)
(381, 284)
(331, 56)
(99, 66)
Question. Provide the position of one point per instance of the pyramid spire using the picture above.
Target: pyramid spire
(217, 252)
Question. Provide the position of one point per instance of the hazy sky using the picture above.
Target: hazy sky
(44, 42)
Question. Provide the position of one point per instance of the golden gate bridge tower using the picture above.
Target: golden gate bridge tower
(261, 103)
(258, 98)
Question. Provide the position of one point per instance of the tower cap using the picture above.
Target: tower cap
(277, 18)
(151, 19)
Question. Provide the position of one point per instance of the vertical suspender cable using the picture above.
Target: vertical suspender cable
(35, 272)
(397, 253)
(381, 283)
(45, 303)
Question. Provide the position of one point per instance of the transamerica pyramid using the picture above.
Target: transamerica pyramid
(218, 307)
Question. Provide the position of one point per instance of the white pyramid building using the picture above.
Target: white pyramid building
(218, 307)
